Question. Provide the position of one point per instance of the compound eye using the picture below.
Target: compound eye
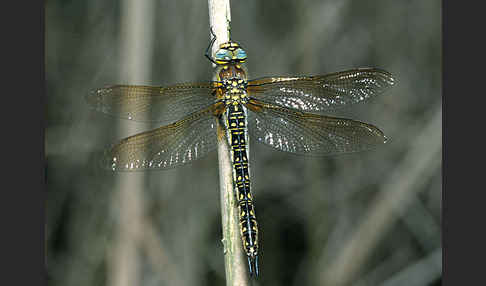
(240, 54)
(223, 55)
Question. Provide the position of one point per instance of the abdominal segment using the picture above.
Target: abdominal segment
(238, 140)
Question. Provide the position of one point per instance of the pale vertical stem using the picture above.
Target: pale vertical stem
(136, 52)
(235, 261)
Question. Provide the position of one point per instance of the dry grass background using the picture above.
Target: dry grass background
(371, 218)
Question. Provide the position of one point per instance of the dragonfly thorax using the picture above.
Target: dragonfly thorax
(234, 90)
(231, 80)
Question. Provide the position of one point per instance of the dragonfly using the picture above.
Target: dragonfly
(285, 113)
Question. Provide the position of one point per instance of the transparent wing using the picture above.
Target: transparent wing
(316, 94)
(152, 103)
(166, 147)
(309, 134)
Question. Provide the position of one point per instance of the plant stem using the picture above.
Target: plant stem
(235, 261)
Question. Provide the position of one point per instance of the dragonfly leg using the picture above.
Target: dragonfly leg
(211, 43)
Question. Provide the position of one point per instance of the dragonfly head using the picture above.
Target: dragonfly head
(230, 52)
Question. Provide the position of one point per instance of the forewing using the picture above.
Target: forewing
(151, 103)
(316, 94)
(310, 134)
(165, 147)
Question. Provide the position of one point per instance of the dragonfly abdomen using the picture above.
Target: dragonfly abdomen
(237, 138)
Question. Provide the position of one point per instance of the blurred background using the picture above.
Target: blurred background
(370, 218)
